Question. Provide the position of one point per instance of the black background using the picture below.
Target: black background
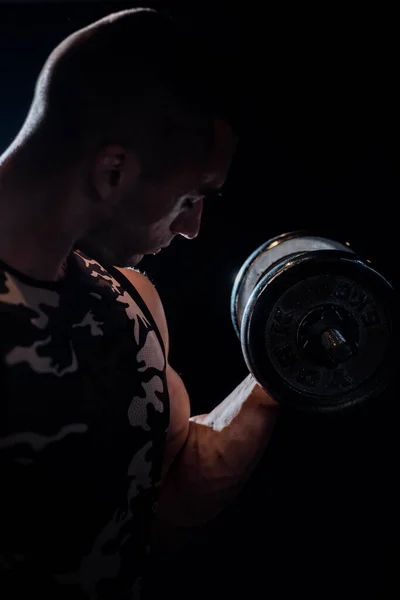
(313, 96)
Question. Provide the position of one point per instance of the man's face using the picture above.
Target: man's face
(146, 219)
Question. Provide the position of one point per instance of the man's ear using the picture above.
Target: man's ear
(114, 167)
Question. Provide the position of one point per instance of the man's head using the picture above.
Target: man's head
(128, 106)
(143, 216)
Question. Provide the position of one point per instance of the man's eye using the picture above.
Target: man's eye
(189, 203)
(209, 195)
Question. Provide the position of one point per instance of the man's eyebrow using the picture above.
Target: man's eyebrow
(210, 190)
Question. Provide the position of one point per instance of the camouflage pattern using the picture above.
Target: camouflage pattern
(84, 411)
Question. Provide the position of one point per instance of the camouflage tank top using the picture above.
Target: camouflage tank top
(84, 411)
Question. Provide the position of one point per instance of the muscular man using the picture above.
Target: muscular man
(122, 145)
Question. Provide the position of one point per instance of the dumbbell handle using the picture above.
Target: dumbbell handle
(335, 344)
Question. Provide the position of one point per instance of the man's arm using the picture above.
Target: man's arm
(209, 457)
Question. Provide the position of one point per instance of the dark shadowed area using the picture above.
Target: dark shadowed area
(313, 98)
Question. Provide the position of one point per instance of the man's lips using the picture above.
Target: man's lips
(158, 250)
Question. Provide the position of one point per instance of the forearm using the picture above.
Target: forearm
(220, 453)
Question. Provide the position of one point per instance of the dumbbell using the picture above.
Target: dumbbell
(315, 322)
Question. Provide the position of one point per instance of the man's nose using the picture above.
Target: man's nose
(188, 223)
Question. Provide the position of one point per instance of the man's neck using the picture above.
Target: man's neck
(29, 255)
(33, 239)
(40, 217)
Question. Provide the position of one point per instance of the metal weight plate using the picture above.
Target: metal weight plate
(258, 263)
(288, 302)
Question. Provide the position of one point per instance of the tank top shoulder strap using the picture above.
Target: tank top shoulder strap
(132, 291)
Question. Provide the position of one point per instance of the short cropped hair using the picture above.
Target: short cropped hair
(134, 77)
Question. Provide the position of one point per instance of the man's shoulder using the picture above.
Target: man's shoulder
(150, 296)
(141, 282)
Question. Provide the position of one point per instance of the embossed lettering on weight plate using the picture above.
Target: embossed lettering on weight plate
(318, 286)
(285, 356)
(281, 321)
(311, 378)
(359, 301)
(340, 379)
(281, 324)
(308, 377)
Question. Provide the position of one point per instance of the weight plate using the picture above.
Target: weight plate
(279, 306)
(258, 263)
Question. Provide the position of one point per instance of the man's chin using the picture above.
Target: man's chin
(104, 255)
(136, 259)
(132, 262)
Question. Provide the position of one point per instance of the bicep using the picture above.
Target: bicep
(179, 417)
(178, 396)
